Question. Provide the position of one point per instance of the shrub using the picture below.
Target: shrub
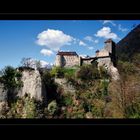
(133, 111)
(11, 78)
(69, 72)
(103, 73)
(29, 109)
(98, 108)
(126, 67)
(23, 108)
(88, 73)
(52, 107)
(67, 100)
(57, 72)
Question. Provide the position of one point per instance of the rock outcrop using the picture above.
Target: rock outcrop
(111, 69)
(32, 85)
(63, 83)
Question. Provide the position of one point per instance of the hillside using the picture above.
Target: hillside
(129, 45)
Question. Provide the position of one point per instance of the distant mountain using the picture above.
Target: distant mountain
(129, 45)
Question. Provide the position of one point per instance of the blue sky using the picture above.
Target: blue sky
(41, 39)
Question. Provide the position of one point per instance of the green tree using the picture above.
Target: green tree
(11, 79)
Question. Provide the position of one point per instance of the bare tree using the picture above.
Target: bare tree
(37, 64)
(27, 62)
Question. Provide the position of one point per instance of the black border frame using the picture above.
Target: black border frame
(70, 16)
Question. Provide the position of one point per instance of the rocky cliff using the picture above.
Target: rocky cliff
(32, 85)
(111, 69)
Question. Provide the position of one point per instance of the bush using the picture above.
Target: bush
(126, 68)
(136, 60)
(23, 108)
(29, 109)
(103, 73)
(11, 78)
(67, 100)
(133, 110)
(88, 73)
(57, 72)
(52, 107)
(69, 72)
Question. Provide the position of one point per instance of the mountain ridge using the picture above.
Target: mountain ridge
(129, 45)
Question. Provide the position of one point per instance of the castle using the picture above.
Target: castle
(104, 57)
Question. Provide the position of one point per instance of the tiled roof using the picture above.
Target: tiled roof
(66, 53)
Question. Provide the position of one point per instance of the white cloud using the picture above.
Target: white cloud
(105, 32)
(96, 41)
(53, 39)
(120, 28)
(83, 55)
(46, 52)
(81, 43)
(89, 38)
(44, 63)
(90, 48)
(109, 21)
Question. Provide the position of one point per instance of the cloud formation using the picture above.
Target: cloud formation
(109, 21)
(105, 32)
(81, 43)
(46, 52)
(90, 48)
(120, 28)
(96, 41)
(53, 39)
(89, 38)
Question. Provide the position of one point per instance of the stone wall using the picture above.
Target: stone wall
(102, 53)
(69, 61)
(104, 62)
(58, 60)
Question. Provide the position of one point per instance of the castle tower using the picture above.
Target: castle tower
(110, 46)
(58, 60)
(97, 53)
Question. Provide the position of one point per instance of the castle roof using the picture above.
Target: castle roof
(109, 40)
(67, 53)
(97, 51)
